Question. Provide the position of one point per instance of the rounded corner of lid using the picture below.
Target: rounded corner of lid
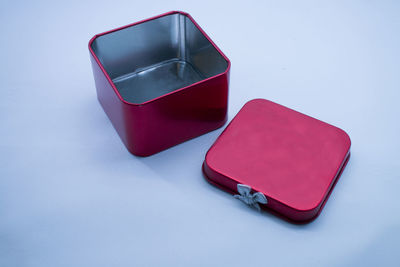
(206, 160)
(255, 101)
(314, 207)
(346, 137)
(308, 210)
(305, 216)
(206, 170)
(207, 165)
(204, 166)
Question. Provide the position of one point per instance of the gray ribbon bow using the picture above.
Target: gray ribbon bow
(250, 199)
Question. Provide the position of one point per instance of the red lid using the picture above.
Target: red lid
(291, 158)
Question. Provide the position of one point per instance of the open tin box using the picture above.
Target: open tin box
(273, 157)
(161, 81)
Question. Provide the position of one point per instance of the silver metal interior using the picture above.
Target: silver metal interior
(156, 57)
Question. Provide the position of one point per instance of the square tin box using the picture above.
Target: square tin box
(273, 157)
(161, 81)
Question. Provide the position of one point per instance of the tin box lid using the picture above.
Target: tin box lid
(291, 158)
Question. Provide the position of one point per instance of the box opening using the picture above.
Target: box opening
(156, 57)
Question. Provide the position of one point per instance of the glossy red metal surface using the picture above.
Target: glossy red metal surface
(293, 159)
(165, 121)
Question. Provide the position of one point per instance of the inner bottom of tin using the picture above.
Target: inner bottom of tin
(158, 79)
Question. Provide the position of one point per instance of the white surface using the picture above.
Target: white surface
(72, 195)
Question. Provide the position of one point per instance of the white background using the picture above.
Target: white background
(72, 195)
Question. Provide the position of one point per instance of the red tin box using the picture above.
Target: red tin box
(278, 159)
(161, 81)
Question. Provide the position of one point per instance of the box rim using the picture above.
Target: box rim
(167, 94)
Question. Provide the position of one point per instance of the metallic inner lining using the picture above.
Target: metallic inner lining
(156, 57)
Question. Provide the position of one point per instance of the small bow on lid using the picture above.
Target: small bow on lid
(248, 198)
